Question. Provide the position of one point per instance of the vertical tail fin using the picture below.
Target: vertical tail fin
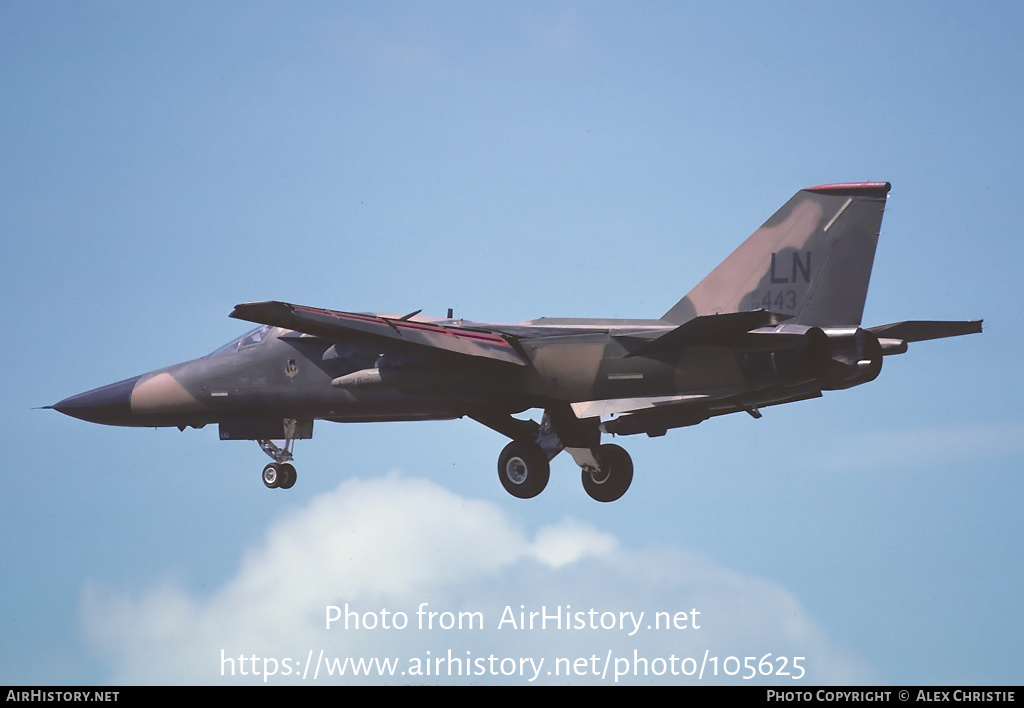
(812, 260)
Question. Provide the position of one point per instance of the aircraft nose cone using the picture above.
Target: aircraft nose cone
(110, 405)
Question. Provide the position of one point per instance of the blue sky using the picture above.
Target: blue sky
(161, 163)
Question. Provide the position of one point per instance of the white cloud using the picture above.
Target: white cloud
(396, 543)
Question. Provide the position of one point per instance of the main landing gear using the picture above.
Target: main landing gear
(523, 469)
(524, 465)
(612, 478)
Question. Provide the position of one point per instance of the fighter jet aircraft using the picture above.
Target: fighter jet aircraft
(777, 322)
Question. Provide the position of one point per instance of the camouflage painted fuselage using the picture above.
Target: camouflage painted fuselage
(777, 321)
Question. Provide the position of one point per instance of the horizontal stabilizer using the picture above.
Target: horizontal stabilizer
(712, 329)
(339, 325)
(923, 330)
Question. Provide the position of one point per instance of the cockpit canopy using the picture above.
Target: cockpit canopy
(248, 340)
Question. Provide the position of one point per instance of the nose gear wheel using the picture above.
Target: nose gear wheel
(279, 475)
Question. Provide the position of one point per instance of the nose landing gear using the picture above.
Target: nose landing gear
(280, 474)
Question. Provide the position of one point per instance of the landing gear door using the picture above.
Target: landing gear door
(267, 429)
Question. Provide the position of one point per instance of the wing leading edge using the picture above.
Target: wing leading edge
(336, 325)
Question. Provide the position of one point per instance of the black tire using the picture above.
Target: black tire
(288, 476)
(523, 469)
(272, 475)
(614, 478)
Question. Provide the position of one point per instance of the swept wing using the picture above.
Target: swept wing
(333, 324)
